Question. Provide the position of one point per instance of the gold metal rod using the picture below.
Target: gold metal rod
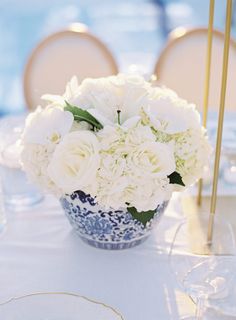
(220, 119)
(207, 82)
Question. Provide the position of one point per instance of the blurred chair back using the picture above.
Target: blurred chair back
(57, 58)
(181, 67)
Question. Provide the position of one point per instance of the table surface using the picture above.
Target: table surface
(39, 252)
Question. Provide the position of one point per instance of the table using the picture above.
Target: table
(40, 252)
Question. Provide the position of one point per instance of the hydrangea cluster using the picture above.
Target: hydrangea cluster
(133, 168)
(117, 138)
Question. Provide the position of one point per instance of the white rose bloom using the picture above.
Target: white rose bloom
(162, 92)
(171, 114)
(151, 160)
(75, 162)
(47, 126)
(192, 152)
(131, 161)
(104, 96)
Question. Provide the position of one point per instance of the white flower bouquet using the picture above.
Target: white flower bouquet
(127, 144)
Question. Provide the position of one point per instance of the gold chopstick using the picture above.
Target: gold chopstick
(220, 120)
(207, 82)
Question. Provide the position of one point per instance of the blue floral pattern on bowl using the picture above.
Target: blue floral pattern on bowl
(106, 229)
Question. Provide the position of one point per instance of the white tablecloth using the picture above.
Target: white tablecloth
(40, 252)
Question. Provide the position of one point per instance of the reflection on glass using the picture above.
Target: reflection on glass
(229, 151)
(2, 214)
(203, 270)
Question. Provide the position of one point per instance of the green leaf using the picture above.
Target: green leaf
(143, 216)
(83, 115)
(175, 178)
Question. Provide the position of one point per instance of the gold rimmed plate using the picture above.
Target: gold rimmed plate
(56, 306)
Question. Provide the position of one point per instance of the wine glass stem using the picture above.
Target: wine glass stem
(199, 309)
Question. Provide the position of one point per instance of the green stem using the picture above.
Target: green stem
(118, 116)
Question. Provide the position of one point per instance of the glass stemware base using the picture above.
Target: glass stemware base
(202, 268)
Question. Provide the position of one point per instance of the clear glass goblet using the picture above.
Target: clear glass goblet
(17, 192)
(201, 268)
(222, 305)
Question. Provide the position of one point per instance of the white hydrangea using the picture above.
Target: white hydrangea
(146, 196)
(35, 160)
(127, 158)
(192, 151)
(44, 129)
(176, 122)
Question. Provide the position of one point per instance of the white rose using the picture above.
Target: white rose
(75, 161)
(162, 92)
(47, 126)
(151, 160)
(171, 114)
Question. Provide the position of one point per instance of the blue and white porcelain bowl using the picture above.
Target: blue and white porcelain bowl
(106, 229)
